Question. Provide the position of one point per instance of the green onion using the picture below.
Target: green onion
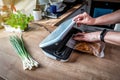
(18, 44)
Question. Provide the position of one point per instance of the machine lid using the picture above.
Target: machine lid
(58, 34)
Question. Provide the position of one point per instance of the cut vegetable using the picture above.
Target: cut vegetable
(27, 60)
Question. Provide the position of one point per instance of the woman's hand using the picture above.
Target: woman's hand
(84, 19)
(89, 37)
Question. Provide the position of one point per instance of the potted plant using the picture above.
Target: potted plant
(37, 14)
(17, 22)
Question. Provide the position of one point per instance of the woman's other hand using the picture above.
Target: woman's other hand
(89, 37)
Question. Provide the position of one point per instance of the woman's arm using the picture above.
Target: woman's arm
(111, 18)
(110, 37)
(85, 18)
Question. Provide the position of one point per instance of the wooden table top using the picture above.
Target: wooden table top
(79, 67)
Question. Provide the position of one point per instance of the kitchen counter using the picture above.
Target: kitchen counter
(79, 67)
(60, 19)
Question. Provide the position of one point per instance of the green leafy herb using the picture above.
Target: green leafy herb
(19, 20)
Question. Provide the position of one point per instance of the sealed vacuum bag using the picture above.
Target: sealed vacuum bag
(95, 48)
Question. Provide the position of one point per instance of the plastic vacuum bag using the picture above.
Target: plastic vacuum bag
(95, 48)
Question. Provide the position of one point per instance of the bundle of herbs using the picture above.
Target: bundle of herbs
(18, 44)
(18, 20)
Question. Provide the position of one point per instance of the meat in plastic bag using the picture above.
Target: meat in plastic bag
(95, 48)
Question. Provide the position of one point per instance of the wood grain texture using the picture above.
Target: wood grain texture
(80, 66)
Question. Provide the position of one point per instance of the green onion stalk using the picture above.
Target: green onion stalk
(18, 44)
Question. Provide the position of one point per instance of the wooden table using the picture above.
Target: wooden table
(80, 66)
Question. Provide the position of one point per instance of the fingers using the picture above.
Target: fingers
(79, 37)
(80, 16)
(89, 37)
(79, 19)
(79, 34)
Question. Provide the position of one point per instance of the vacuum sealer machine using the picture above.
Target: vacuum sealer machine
(59, 44)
